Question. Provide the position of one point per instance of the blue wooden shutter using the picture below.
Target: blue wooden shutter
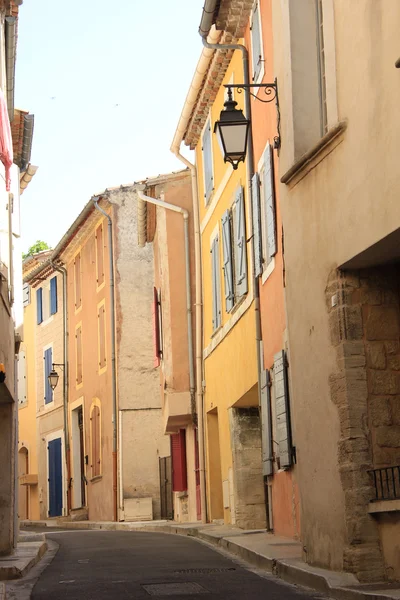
(216, 285)
(53, 295)
(269, 199)
(48, 365)
(256, 52)
(282, 409)
(207, 159)
(39, 305)
(55, 478)
(240, 245)
(255, 197)
(266, 424)
(228, 267)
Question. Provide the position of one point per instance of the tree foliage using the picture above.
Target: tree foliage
(38, 246)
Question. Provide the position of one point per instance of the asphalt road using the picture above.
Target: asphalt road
(100, 565)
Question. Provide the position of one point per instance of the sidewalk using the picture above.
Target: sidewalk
(29, 550)
(278, 555)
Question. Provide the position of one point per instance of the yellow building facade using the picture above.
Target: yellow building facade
(233, 443)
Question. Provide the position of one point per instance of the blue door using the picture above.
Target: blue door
(55, 478)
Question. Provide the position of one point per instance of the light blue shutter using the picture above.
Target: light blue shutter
(53, 295)
(48, 365)
(269, 199)
(39, 305)
(216, 286)
(282, 409)
(240, 245)
(228, 267)
(255, 197)
(266, 424)
(256, 42)
(207, 159)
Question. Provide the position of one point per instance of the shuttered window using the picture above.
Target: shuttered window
(207, 162)
(39, 306)
(256, 49)
(157, 342)
(266, 424)
(48, 365)
(228, 261)
(101, 317)
(282, 409)
(216, 284)
(239, 227)
(78, 347)
(99, 255)
(268, 194)
(53, 295)
(77, 280)
(96, 441)
(257, 237)
(179, 468)
(21, 375)
(26, 294)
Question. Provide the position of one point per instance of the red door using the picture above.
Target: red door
(197, 472)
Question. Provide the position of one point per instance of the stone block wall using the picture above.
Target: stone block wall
(364, 315)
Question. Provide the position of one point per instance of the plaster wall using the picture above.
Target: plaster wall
(337, 206)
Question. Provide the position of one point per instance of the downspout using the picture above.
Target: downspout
(113, 364)
(63, 271)
(185, 215)
(250, 161)
(10, 250)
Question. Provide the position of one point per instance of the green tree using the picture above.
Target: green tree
(38, 246)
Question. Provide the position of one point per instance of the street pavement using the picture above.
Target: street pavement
(100, 565)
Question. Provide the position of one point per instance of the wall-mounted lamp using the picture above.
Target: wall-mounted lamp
(232, 128)
(53, 377)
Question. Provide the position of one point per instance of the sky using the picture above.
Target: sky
(106, 83)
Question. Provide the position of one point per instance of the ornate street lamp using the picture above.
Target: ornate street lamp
(53, 376)
(232, 129)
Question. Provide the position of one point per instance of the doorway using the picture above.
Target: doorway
(23, 492)
(78, 464)
(167, 503)
(55, 478)
(214, 466)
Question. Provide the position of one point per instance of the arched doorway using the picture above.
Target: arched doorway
(23, 469)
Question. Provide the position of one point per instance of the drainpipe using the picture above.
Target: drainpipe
(10, 250)
(113, 365)
(63, 271)
(204, 30)
(185, 215)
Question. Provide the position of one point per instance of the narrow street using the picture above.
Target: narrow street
(97, 565)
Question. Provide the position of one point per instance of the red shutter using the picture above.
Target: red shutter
(178, 453)
(156, 330)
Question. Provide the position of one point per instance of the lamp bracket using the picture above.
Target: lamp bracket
(271, 93)
(61, 365)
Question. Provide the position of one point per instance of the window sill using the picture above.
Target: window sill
(182, 495)
(268, 270)
(97, 478)
(315, 153)
(384, 506)
(238, 304)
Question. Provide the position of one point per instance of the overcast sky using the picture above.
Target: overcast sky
(106, 83)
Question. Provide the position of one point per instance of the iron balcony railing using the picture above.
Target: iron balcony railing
(387, 483)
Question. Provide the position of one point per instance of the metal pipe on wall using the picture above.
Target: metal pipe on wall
(113, 361)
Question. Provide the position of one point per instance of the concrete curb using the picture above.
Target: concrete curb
(341, 586)
(2, 591)
(20, 565)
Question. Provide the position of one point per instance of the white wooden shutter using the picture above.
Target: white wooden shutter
(255, 197)
(240, 245)
(283, 429)
(26, 294)
(269, 199)
(266, 424)
(256, 52)
(228, 267)
(216, 285)
(207, 162)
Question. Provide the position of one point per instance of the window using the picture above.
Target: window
(53, 295)
(321, 68)
(216, 284)
(21, 378)
(207, 162)
(282, 408)
(157, 332)
(95, 441)
(101, 317)
(48, 365)
(179, 468)
(46, 300)
(256, 44)
(268, 215)
(26, 294)
(99, 256)
(39, 306)
(234, 251)
(77, 280)
(78, 352)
